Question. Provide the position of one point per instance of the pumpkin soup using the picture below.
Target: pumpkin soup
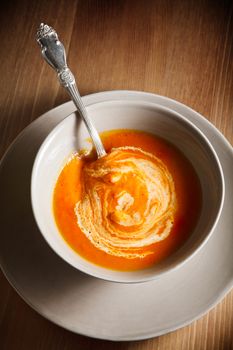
(131, 208)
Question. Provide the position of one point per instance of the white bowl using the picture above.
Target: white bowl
(70, 136)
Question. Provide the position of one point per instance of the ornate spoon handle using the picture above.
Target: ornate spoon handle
(54, 54)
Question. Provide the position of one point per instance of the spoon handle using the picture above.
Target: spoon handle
(54, 54)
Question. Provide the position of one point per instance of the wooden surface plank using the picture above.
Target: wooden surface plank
(181, 49)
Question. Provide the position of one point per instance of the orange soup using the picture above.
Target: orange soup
(129, 209)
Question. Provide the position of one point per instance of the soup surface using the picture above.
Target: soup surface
(131, 208)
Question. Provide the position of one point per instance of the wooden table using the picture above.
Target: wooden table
(180, 49)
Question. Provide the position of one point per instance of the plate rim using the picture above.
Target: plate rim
(87, 100)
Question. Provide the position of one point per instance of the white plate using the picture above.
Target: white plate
(87, 305)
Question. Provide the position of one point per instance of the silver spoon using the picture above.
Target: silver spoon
(54, 54)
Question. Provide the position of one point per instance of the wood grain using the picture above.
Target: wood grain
(181, 49)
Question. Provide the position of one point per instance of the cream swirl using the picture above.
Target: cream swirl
(128, 202)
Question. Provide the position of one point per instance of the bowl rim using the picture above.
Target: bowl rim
(202, 138)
